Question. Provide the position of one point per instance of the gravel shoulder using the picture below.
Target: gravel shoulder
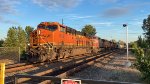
(111, 70)
(7, 61)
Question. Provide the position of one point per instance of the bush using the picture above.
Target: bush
(143, 63)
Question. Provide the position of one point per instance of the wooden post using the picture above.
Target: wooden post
(15, 80)
(19, 54)
(2, 75)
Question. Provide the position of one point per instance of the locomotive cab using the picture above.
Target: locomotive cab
(42, 41)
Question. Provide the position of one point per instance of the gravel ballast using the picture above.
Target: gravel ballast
(111, 70)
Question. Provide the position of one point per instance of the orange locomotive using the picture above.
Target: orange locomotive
(52, 40)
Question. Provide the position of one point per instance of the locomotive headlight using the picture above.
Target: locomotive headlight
(39, 32)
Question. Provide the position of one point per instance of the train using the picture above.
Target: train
(52, 41)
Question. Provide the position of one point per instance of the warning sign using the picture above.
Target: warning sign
(70, 81)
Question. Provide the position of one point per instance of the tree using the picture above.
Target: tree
(11, 40)
(121, 42)
(142, 52)
(28, 30)
(89, 29)
(1, 42)
(16, 37)
(141, 42)
(113, 40)
(146, 28)
(21, 36)
(133, 44)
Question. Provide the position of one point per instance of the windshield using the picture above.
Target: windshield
(52, 27)
(49, 27)
(41, 26)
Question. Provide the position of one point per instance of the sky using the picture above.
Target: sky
(107, 16)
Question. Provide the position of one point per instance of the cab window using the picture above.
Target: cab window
(52, 27)
(62, 29)
(41, 26)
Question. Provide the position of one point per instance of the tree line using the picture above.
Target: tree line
(17, 37)
(141, 48)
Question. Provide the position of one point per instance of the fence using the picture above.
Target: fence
(2, 73)
(56, 80)
(9, 55)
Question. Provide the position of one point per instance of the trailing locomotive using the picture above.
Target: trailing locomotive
(52, 40)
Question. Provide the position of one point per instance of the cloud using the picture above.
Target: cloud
(75, 16)
(123, 10)
(8, 7)
(102, 23)
(54, 4)
(10, 22)
(3, 20)
(110, 1)
(80, 17)
(136, 23)
(103, 2)
(116, 12)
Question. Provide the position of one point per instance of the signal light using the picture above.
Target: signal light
(124, 25)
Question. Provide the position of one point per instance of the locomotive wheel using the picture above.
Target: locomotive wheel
(53, 56)
(61, 55)
(31, 55)
(66, 54)
(42, 58)
(28, 58)
(41, 55)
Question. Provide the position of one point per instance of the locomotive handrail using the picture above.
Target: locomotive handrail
(49, 45)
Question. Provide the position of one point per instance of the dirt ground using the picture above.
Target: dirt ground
(112, 70)
(7, 61)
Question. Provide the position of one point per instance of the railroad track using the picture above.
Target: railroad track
(23, 66)
(78, 67)
(35, 68)
(67, 68)
(15, 65)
